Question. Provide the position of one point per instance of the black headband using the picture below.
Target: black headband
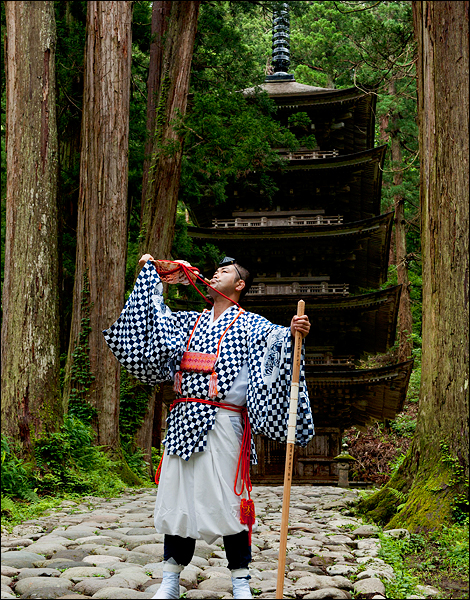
(227, 261)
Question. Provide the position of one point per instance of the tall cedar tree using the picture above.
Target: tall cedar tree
(434, 471)
(30, 333)
(102, 228)
(174, 26)
(159, 206)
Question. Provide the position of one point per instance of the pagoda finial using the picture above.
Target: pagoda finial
(281, 37)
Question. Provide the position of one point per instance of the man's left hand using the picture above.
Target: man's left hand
(301, 324)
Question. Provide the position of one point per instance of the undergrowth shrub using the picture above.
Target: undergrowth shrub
(16, 479)
(393, 551)
(68, 462)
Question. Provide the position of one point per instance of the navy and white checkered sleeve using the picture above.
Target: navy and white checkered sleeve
(147, 336)
(270, 379)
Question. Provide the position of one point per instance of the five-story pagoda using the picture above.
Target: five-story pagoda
(320, 238)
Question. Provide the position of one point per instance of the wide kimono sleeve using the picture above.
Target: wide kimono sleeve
(148, 339)
(270, 376)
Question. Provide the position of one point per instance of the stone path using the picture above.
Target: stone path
(108, 548)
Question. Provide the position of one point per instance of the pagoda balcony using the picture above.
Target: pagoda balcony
(307, 154)
(262, 289)
(288, 221)
(326, 359)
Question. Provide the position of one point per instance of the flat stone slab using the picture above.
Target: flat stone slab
(76, 573)
(371, 585)
(91, 585)
(101, 540)
(96, 560)
(365, 531)
(29, 584)
(327, 593)
(121, 594)
(9, 571)
(38, 572)
(16, 542)
(20, 559)
(75, 534)
(153, 550)
(217, 584)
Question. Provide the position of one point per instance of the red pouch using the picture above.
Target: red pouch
(198, 362)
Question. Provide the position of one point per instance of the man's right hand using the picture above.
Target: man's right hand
(144, 259)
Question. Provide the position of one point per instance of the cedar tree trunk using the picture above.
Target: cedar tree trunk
(434, 471)
(93, 374)
(159, 207)
(174, 26)
(30, 332)
(160, 19)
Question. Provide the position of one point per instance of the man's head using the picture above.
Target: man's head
(231, 278)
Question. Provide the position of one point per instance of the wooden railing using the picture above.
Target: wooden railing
(308, 154)
(279, 222)
(263, 289)
(328, 359)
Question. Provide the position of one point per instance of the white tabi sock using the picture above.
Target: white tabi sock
(170, 586)
(240, 583)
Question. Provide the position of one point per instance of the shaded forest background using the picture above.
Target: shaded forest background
(221, 138)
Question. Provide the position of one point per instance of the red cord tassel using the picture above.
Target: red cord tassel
(178, 381)
(247, 515)
(159, 470)
(213, 385)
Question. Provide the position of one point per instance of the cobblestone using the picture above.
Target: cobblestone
(109, 549)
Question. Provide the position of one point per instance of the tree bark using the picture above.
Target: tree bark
(160, 19)
(30, 332)
(159, 207)
(175, 23)
(102, 211)
(405, 319)
(434, 472)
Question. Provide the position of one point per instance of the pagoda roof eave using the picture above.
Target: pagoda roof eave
(363, 245)
(351, 325)
(358, 302)
(358, 397)
(327, 231)
(293, 90)
(339, 162)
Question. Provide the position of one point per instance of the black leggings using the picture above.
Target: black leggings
(237, 549)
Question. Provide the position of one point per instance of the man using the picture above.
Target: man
(231, 369)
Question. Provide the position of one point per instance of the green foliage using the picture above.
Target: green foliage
(15, 512)
(68, 462)
(392, 551)
(226, 138)
(460, 504)
(453, 543)
(396, 463)
(436, 559)
(404, 425)
(16, 480)
(300, 119)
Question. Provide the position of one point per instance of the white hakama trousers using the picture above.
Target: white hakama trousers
(196, 498)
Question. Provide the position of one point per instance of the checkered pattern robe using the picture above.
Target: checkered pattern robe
(148, 339)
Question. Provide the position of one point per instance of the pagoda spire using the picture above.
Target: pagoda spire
(281, 45)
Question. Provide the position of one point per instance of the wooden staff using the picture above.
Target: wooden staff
(291, 427)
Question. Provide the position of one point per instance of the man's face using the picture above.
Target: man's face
(225, 280)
